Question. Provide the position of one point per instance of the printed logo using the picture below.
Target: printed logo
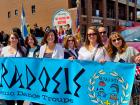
(108, 88)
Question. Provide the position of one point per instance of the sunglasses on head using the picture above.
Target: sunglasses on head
(91, 34)
(118, 39)
(104, 32)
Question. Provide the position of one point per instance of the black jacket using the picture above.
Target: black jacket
(68, 53)
(36, 52)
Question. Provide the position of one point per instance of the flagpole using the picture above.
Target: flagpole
(78, 9)
(78, 26)
(23, 22)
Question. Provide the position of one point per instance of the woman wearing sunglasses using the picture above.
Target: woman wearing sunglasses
(93, 48)
(71, 47)
(119, 51)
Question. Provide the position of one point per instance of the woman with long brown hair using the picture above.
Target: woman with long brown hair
(50, 47)
(32, 46)
(93, 48)
(118, 50)
(13, 49)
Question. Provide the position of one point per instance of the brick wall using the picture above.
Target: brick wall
(45, 9)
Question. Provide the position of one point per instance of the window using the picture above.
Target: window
(83, 7)
(122, 11)
(96, 8)
(9, 14)
(132, 1)
(110, 9)
(72, 3)
(33, 9)
(16, 12)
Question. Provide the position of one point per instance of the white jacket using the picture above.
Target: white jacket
(58, 52)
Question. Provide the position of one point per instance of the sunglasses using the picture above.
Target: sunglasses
(91, 34)
(13, 38)
(70, 40)
(104, 32)
(118, 39)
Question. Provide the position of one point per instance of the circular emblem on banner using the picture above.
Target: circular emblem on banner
(108, 88)
(61, 18)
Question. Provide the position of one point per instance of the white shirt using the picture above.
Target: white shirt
(5, 52)
(127, 55)
(58, 52)
(85, 54)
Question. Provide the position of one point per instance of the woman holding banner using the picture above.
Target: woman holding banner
(33, 48)
(13, 49)
(93, 48)
(118, 51)
(50, 48)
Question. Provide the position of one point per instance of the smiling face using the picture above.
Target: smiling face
(51, 37)
(13, 39)
(92, 36)
(116, 40)
(70, 42)
(103, 34)
(30, 41)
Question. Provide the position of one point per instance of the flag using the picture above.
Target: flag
(23, 23)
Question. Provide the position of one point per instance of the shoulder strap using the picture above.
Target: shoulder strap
(95, 51)
(16, 53)
(72, 54)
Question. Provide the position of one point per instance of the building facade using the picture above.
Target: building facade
(111, 13)
(36, 11)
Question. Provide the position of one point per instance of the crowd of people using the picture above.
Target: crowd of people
(63, 44)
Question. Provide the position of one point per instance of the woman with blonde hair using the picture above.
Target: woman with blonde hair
(71, 47)
(118, 50)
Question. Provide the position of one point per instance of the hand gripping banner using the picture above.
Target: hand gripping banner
(66, 82)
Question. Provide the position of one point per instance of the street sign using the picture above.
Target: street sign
(61, 18)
